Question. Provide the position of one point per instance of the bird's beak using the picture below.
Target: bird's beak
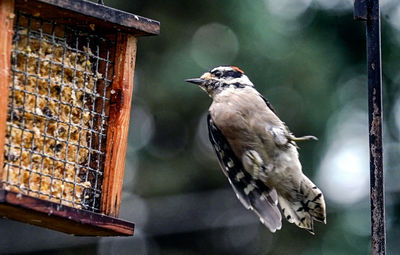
(197, 81)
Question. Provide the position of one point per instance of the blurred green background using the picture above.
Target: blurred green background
(308, 58)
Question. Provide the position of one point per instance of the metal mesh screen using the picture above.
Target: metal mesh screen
(57, 112)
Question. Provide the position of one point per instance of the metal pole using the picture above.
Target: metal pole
(368, 10)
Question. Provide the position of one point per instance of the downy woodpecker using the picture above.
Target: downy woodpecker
(257, 152)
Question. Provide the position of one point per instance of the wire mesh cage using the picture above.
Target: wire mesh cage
(57, 113)
(68, 98)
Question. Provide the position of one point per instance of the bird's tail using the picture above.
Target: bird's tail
(308, 205)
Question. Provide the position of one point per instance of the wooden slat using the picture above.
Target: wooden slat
(117, 135)
(54, 216)
(6, 33)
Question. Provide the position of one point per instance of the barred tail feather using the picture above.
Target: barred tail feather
(316, 204)
(309, 205)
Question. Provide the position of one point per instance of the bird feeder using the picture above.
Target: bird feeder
(66, 81)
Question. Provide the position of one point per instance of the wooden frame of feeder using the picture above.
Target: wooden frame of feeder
(79, 13)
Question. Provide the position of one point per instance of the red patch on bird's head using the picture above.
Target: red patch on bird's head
(238, 69)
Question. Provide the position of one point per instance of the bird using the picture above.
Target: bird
(257, 152)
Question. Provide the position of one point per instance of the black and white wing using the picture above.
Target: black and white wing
(253, 194)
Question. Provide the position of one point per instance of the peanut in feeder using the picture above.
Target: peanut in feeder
(65, 103)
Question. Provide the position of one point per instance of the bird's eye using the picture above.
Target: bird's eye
(218, 74)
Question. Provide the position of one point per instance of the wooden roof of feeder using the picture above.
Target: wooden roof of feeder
(86, 13)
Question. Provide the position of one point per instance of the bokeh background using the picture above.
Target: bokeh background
(308, 58)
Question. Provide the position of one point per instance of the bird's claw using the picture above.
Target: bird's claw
(303, 138)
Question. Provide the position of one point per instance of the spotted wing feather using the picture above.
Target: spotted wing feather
(252, 193)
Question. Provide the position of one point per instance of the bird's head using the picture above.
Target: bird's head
(220, 78)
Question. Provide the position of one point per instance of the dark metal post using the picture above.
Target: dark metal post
(368, 10)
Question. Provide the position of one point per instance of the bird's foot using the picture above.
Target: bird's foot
(253, 163)
(302, 138)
